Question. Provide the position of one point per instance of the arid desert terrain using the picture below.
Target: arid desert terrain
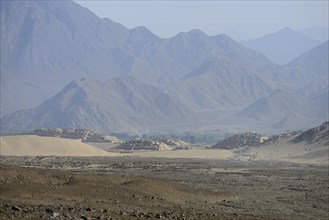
(153, 188)
(284, 177)
(164, 110)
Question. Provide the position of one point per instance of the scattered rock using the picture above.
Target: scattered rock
(16, 208)
(84, 217)
(50, 211)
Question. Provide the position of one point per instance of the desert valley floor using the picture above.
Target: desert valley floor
(283, 177)
(172, 110)
(160, 188)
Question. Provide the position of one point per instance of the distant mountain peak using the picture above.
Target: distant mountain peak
(196, 32)
(282, 46)
(286, 29)
(142, 31)
(108, 20)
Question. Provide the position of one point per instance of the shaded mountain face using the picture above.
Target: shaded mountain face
(120, 104)
(316, 135)
(272, 108)
(316, 106)
(306, 72)
(303, 98)
(46, 44)
(286, 111)
(219, 84)
(313, 62)
(193, 48)
(127, 104)
(283, 46)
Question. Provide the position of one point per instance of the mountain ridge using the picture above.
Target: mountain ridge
(189, 81)
(120, 104)
(282, 46)
(68, 42)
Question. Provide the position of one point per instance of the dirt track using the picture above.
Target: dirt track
(134, 188)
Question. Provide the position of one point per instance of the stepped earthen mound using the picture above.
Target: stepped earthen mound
(240, 140)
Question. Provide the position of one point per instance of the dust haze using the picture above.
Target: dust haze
(100, 120)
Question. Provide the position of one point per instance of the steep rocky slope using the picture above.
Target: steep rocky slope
(247, 139)
(121, 104)
(317, 135)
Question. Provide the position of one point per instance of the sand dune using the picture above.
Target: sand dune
(297, 153)
(31, 145)
(199, 154)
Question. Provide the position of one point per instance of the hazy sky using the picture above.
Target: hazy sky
(246, 19)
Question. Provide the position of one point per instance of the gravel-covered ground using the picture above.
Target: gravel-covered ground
(146, 188)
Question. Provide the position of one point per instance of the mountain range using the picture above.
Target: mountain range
(62, 66)
(282, 46)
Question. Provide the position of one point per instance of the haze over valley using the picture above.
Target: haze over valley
(62, 66)
(106, 119)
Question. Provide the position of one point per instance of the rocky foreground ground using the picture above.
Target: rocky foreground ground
(135, 188)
